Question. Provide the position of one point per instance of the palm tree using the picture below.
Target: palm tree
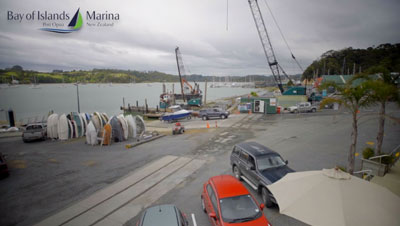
(353, 97)
(382, 91)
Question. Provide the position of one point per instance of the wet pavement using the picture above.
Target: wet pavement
(48, 177)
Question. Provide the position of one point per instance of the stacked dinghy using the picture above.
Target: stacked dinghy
(52, 126)
(117, 131)
(64, 128)
(91, 134)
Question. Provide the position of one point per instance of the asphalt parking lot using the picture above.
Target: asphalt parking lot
(46, 177)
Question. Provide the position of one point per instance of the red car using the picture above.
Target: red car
(228, 202)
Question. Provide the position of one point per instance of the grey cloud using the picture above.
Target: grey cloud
(148, 32)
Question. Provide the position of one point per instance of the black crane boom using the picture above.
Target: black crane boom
(181, 69)
(266, 43)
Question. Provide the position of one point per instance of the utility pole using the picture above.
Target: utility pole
(344, 64)
(354, 68)
(173, 93)
(77, 95)
(205, 93)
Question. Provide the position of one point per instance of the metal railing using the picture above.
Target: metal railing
(365, 174)
(387, 155)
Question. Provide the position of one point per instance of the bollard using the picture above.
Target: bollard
(11, 117)
(216, 124)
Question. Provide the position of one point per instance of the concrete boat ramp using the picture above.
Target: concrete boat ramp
(123, 200)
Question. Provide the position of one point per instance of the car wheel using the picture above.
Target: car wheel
(223, 116)
(313, 110)
(237, 173)
(203, 205)
(204, 117)
(189, 117)
(265, 197)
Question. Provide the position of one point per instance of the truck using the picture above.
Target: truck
(302, 107)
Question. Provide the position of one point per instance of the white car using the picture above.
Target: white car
(36, 131)
(302, 107)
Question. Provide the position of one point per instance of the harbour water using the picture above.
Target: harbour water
(27, 101)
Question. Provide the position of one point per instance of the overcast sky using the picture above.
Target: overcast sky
(148, 31)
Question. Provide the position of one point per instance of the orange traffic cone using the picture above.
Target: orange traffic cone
(208, 125)
(249, 112)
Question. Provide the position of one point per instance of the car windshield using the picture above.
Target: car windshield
(33, 127)
(239, 209)
(269, 161)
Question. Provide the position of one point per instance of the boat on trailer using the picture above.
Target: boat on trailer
(177, 114)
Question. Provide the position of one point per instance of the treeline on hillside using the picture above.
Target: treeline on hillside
(93, 76)
(347, 60)
(114, 76)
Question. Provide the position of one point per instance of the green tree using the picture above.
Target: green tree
(353, 97)
(254, 94)
(17, 68)
(382, 91)
(387, 55)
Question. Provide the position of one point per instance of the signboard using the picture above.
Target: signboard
(242, 107)
(272, 102)
(258, 106)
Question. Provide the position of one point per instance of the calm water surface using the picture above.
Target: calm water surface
(28, 102)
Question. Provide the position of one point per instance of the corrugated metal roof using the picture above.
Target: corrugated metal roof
(342, 79)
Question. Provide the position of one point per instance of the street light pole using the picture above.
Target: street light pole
(77, 95)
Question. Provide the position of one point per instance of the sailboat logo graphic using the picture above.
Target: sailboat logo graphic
(74, 25)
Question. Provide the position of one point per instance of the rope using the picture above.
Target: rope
(283, 37)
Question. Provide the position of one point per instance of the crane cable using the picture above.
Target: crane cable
(227, 8)
(284, 39)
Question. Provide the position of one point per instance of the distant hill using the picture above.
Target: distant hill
(114, 76)
(332, 61)
(93, 76)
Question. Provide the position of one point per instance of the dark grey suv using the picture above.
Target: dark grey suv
(259, 166)
(213, 113)
(163, 215)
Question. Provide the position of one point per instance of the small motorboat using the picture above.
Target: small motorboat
(178, 113)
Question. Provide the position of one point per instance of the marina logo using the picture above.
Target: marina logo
(74, 25)
(56, 21)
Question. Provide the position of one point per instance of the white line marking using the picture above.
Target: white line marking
(194, 220)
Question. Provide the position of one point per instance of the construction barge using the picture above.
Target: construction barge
(190, 95)
(190, 98)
